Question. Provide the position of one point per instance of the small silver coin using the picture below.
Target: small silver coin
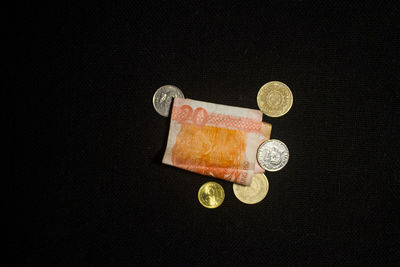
(272, 155)
(162, 98)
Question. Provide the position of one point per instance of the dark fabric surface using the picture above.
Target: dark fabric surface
(89, 186)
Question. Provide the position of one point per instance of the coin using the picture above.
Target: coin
(211, 195)
(253, 193)
(162, 98)
(274, 99)
(272, 155)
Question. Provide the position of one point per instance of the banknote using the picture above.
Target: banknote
(215, 140)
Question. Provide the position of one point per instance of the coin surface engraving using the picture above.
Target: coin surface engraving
(274, 99)
(162, 98)
(272, 155)
(211, 195)
(253, 193)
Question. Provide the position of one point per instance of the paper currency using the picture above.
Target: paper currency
(215, 140)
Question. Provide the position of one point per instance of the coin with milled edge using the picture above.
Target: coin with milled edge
(274, 99)
(272, 155)
(162, 98)
(253, 193)
(211, 195)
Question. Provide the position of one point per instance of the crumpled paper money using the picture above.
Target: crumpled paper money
(215, 140)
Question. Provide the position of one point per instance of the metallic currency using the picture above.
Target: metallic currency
(215, 140)
(272, 155)
(211, 195)
(162, 98)
(253, 193)
(274, 99)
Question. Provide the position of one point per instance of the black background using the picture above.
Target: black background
(89, 184)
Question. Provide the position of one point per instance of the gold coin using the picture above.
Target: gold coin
(274, 99)
(211, 195)
(253, 193)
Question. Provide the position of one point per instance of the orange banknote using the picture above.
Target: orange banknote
(215, 140)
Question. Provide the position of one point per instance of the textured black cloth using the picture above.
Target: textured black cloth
(89, 186)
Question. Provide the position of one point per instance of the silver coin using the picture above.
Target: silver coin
(272, 155)
(162, 98)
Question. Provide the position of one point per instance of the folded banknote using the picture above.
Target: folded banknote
(215, 140)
